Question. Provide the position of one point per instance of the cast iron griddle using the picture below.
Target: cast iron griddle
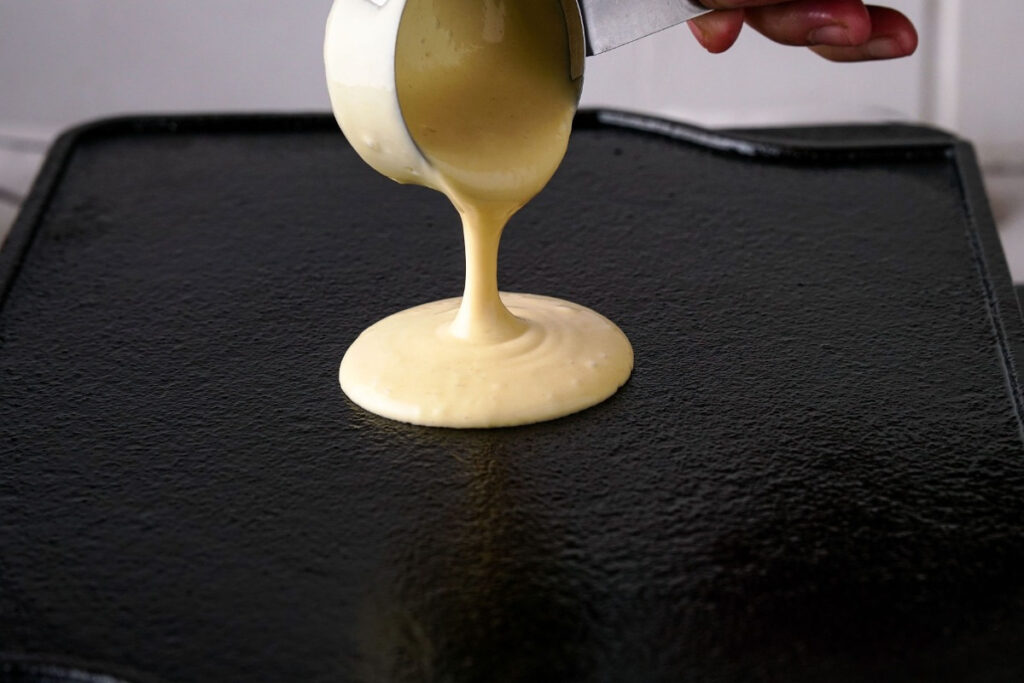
(815, 473)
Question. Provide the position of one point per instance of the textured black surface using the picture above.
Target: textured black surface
(815, 473)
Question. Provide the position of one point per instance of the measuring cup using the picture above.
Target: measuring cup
(359, 54)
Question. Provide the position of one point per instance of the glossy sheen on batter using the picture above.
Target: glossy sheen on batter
(487, 99)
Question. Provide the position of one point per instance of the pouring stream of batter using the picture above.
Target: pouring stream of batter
(485, 91)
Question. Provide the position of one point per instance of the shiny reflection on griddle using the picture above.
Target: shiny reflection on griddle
(477, 593)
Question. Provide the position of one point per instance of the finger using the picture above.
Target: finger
(813, 22)
(892, 36)
(719, 30)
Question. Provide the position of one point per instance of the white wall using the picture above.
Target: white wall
(63, 61)
(984, 85)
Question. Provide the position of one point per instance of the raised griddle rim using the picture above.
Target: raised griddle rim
(871, 145)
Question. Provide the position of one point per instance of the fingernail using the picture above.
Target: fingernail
(698, 31)
(883, 48)
(834, 34)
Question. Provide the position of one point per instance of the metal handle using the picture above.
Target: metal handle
(613, 23)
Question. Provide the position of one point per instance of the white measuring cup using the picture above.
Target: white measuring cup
(359, 55)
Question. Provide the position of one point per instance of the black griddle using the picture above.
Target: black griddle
(815, 473)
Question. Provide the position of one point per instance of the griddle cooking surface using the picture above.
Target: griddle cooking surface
(815, 472)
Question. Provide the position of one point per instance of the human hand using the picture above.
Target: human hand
(839, 30)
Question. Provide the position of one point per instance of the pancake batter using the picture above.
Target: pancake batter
(474, 98)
